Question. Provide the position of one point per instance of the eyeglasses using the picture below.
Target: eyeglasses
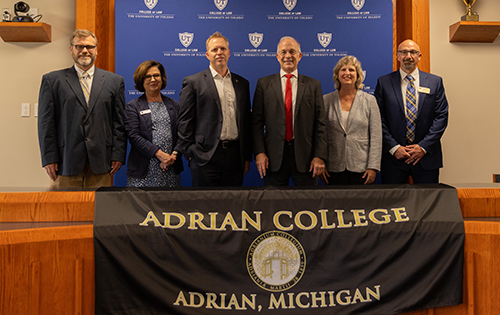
(157, 76)
(81, 47)
(412, 52)
(291, 52)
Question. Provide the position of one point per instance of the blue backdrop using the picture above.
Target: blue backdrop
(174, 33)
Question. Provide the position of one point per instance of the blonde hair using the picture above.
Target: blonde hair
(359, 71)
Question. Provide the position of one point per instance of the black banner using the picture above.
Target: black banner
(358, 250)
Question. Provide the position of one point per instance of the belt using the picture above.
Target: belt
(226, 144)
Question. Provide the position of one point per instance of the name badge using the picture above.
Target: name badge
(147, 111)
(424, 90)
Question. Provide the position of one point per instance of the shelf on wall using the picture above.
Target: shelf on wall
(474, 31)
(25, 32)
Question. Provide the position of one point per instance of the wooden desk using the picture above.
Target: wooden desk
(47, 262)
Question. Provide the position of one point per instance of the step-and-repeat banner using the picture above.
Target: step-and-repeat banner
(174, 33)
(278, 251)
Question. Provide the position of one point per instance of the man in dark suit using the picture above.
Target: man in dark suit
(80, 120)
(414, 113)
(289, 123)
(214, 120)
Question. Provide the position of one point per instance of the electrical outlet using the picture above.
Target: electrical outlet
(25, 110)
(6, 15)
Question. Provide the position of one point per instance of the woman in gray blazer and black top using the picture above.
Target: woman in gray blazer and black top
(354, 128)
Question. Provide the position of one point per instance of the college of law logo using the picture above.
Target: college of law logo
(220, 4)
(290, 4)
(276, 261)
(151, 3)
(186, 38)
(324, 39)
(256, 38)
(358, 4)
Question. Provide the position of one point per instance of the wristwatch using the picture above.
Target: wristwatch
(175, 152)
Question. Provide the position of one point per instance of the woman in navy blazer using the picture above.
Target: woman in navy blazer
(151, 125)
(354, 128)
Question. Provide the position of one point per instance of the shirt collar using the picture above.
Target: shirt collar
(215, 73)
(80, 71)
(414, 74)
(295, 73)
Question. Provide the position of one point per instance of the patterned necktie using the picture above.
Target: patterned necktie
(411, 110)
(84, 82)
(288, 108)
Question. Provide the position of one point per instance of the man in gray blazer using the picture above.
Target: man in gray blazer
(290, 145)
(214, 120)
(81, 131)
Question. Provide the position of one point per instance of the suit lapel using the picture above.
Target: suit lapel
(301, 86)
(396, 85)
(209, 80)
(276, 87)
(236, 86)
(74, 83)
(143, 105)
(337, 109)
(424, 82)
(97, 84)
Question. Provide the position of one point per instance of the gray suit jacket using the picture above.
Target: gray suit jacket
(69, 132)
(357, 146)
(268, 122)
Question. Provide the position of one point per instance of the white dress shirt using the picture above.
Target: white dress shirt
(227, 97)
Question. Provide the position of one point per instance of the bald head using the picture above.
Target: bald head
(408, 55)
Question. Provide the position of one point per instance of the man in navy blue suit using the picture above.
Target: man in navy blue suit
(214, 120)
(414, 113)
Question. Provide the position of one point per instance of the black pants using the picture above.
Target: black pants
(223, 169)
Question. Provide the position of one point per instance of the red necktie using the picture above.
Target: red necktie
(288, 108)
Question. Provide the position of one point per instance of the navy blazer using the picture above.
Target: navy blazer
(200, 117)
(431, 122)
(140, 134)
(70, 132)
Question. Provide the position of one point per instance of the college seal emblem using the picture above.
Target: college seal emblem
(256, 38)
(276, 261)
(186, 38)
(151, 3)
(324, 39)
(358, 4)
(220, 4)
(290, 4)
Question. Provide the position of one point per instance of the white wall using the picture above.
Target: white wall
(471, 74)
(21, 68)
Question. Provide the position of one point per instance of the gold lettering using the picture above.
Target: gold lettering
(290, 300)
(340, 219)
(386, 216)
(358, 216)
(233, 302)
(357, 296)
(324, 220)
(192, 295)
(246, 218)
(245, 300)
(316, 299)
(181, 299)
(299, 303)
(213, 220)
(298, 222)
(150, 218)
(273, 303)
(211, 298)
(400, 214)
(168, 224)
(229, 220)
(371, 293)
(332, 299)
(196, 218)
(277, 223)
(223, 301)
(348, 297)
